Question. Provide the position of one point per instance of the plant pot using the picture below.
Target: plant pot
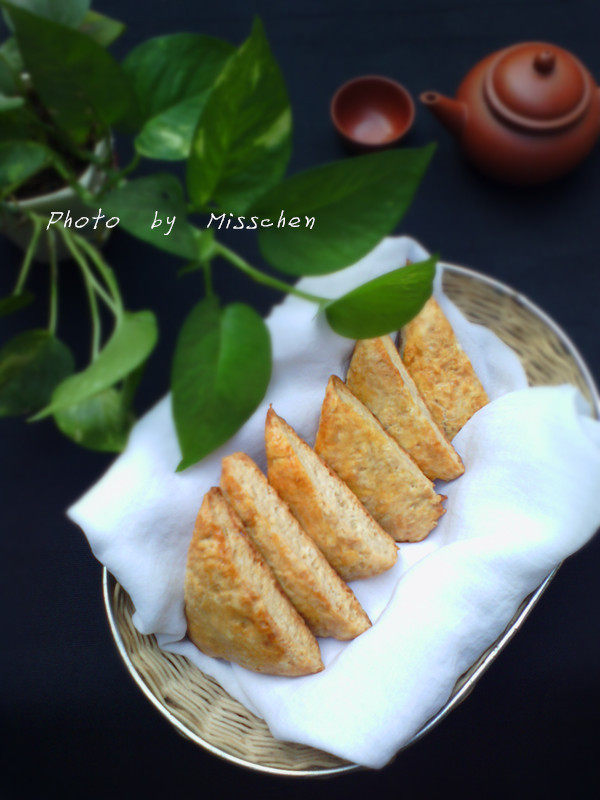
(17, 227)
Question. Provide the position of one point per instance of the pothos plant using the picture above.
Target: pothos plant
(225, 112)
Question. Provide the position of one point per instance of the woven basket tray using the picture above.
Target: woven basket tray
(200, 709)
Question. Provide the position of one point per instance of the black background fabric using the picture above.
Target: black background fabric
(74, 723)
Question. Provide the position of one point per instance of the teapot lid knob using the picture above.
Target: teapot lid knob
(544, 62)
(537, 86)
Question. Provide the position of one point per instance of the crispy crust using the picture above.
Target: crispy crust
(375, 467)
(316, 590)
(380, 380)
(235, 608)
(331, 515)
(441, 370)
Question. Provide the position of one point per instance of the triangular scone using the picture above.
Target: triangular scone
(441, 369)
(375, 467)
(316, 590)
(341, 527)
(380, 380)
(235, 608)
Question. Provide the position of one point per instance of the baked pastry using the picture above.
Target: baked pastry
(441, 369)
(379, 379)
(352, 542)
(315, 589)
(235, 608)
(379, 472)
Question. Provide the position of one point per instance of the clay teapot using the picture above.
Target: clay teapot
(525, 114)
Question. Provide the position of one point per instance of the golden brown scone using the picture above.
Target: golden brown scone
(316, 590)
(341, 527)
(441, 370)
(235, 608)
(379, 379)
(375, 467)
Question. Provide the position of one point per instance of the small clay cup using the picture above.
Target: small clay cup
(372, 112)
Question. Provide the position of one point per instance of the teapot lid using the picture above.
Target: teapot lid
(538, 86)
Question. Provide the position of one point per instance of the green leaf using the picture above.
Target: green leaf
(221, 370)
(79, 82)
(384, 304)
(18, 162)
(11, 55)
(136, 203)
(354, 204)
(130, 345)
(242, 144)
(8, 80)
(20, 124)
(15, 302)
(168, 69)
(101, 422)
(172, 76)
(207, 250)
(66, 12)
(131, 383)
(11, 82)
(31, 365)
(8, 103)
(168, 136)
(102, 29)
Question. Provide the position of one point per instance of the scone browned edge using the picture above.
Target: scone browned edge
(351, 540)
(315, 589)
(441, 369)
(379, 379)
(235, 608)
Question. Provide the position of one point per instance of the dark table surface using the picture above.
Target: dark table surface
(74, 724)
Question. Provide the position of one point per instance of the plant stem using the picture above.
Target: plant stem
(73, 181)
(132, 164)
(29, 254)
(53, 315)
(117, 175)
(261, 277)
(96, 324)
(91, 288)
(107, 273)
(71, 244)
(208, 285)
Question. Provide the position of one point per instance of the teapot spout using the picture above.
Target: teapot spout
(451, 113)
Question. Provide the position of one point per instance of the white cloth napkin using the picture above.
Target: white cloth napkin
(530, 496)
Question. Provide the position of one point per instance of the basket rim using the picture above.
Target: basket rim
(529, 603)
